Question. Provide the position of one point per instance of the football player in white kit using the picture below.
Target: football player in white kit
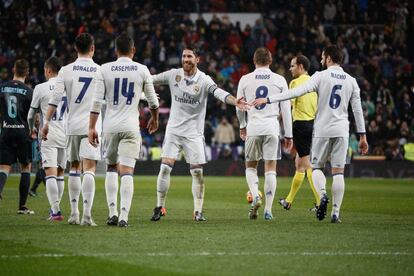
(185, 129)
(336, 89)
(53, 150)
(77, 79)
(120, 85)
(259, 127)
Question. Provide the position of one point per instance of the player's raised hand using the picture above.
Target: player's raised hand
(259, 101)
(45, 131)
(363, 145)
(152, 125)
(93, 137)
(242, 104)
(243, 134)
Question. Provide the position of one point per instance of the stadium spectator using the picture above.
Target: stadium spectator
(224, 135)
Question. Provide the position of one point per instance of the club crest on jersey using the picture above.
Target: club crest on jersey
(196, 88)
(178, 78)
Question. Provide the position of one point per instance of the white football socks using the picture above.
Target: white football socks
(74, 187)
(61, 186)
(198, 189)
(88, 192)
(338, 189)
(163, 184)
(270, 189)
(52, 193)
(319, 180)
(127, 191)
(252, 181)
(111, 189)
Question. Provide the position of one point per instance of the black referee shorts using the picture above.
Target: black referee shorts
(15, 151)
(302, 137)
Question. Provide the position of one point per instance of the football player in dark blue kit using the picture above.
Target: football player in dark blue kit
(15, 140)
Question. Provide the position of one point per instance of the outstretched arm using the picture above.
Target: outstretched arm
(309, 86)
(226, 97)
(161, 78)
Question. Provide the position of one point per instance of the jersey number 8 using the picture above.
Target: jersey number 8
(261, 92)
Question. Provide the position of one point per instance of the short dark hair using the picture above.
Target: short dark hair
(193, 48)
(21, 68)
(262, 56)
(124, 44)
(84, 42)
(304, 61)
(334, 53)
(54, 64)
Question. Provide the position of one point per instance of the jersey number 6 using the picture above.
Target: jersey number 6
(335, 99)
(12, 107)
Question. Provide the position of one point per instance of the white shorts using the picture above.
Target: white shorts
(266, 147)
(78, 148)
(194, 148)
(125, 144)
(53, 157)
(327, 148)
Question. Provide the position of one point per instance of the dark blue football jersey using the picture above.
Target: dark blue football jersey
(15, 98)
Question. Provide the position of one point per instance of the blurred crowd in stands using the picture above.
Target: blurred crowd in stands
(376, 38)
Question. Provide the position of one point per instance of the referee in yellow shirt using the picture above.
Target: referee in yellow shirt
(303, 113)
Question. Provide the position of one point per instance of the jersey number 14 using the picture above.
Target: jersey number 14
(127, 90)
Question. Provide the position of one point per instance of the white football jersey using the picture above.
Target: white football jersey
(120, 84)
(264, 119)
(41, 96)
(188, 100)
(336, 89)
(77, 79)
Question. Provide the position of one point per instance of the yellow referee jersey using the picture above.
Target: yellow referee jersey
(303, 107)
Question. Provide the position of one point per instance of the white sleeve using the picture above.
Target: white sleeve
(241, 115)
(59, 90)
(286, 112)
(214, 90)
(162, 78)
(309, 86)
(149, 90)
(31, 118)
(357, 108)
(34, 105)
(99, 92)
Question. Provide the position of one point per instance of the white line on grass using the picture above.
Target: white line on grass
(195, 254)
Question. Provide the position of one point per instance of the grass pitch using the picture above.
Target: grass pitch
(375, 237)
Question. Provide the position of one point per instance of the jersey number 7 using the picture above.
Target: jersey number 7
(62, 110)
(86, 83)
